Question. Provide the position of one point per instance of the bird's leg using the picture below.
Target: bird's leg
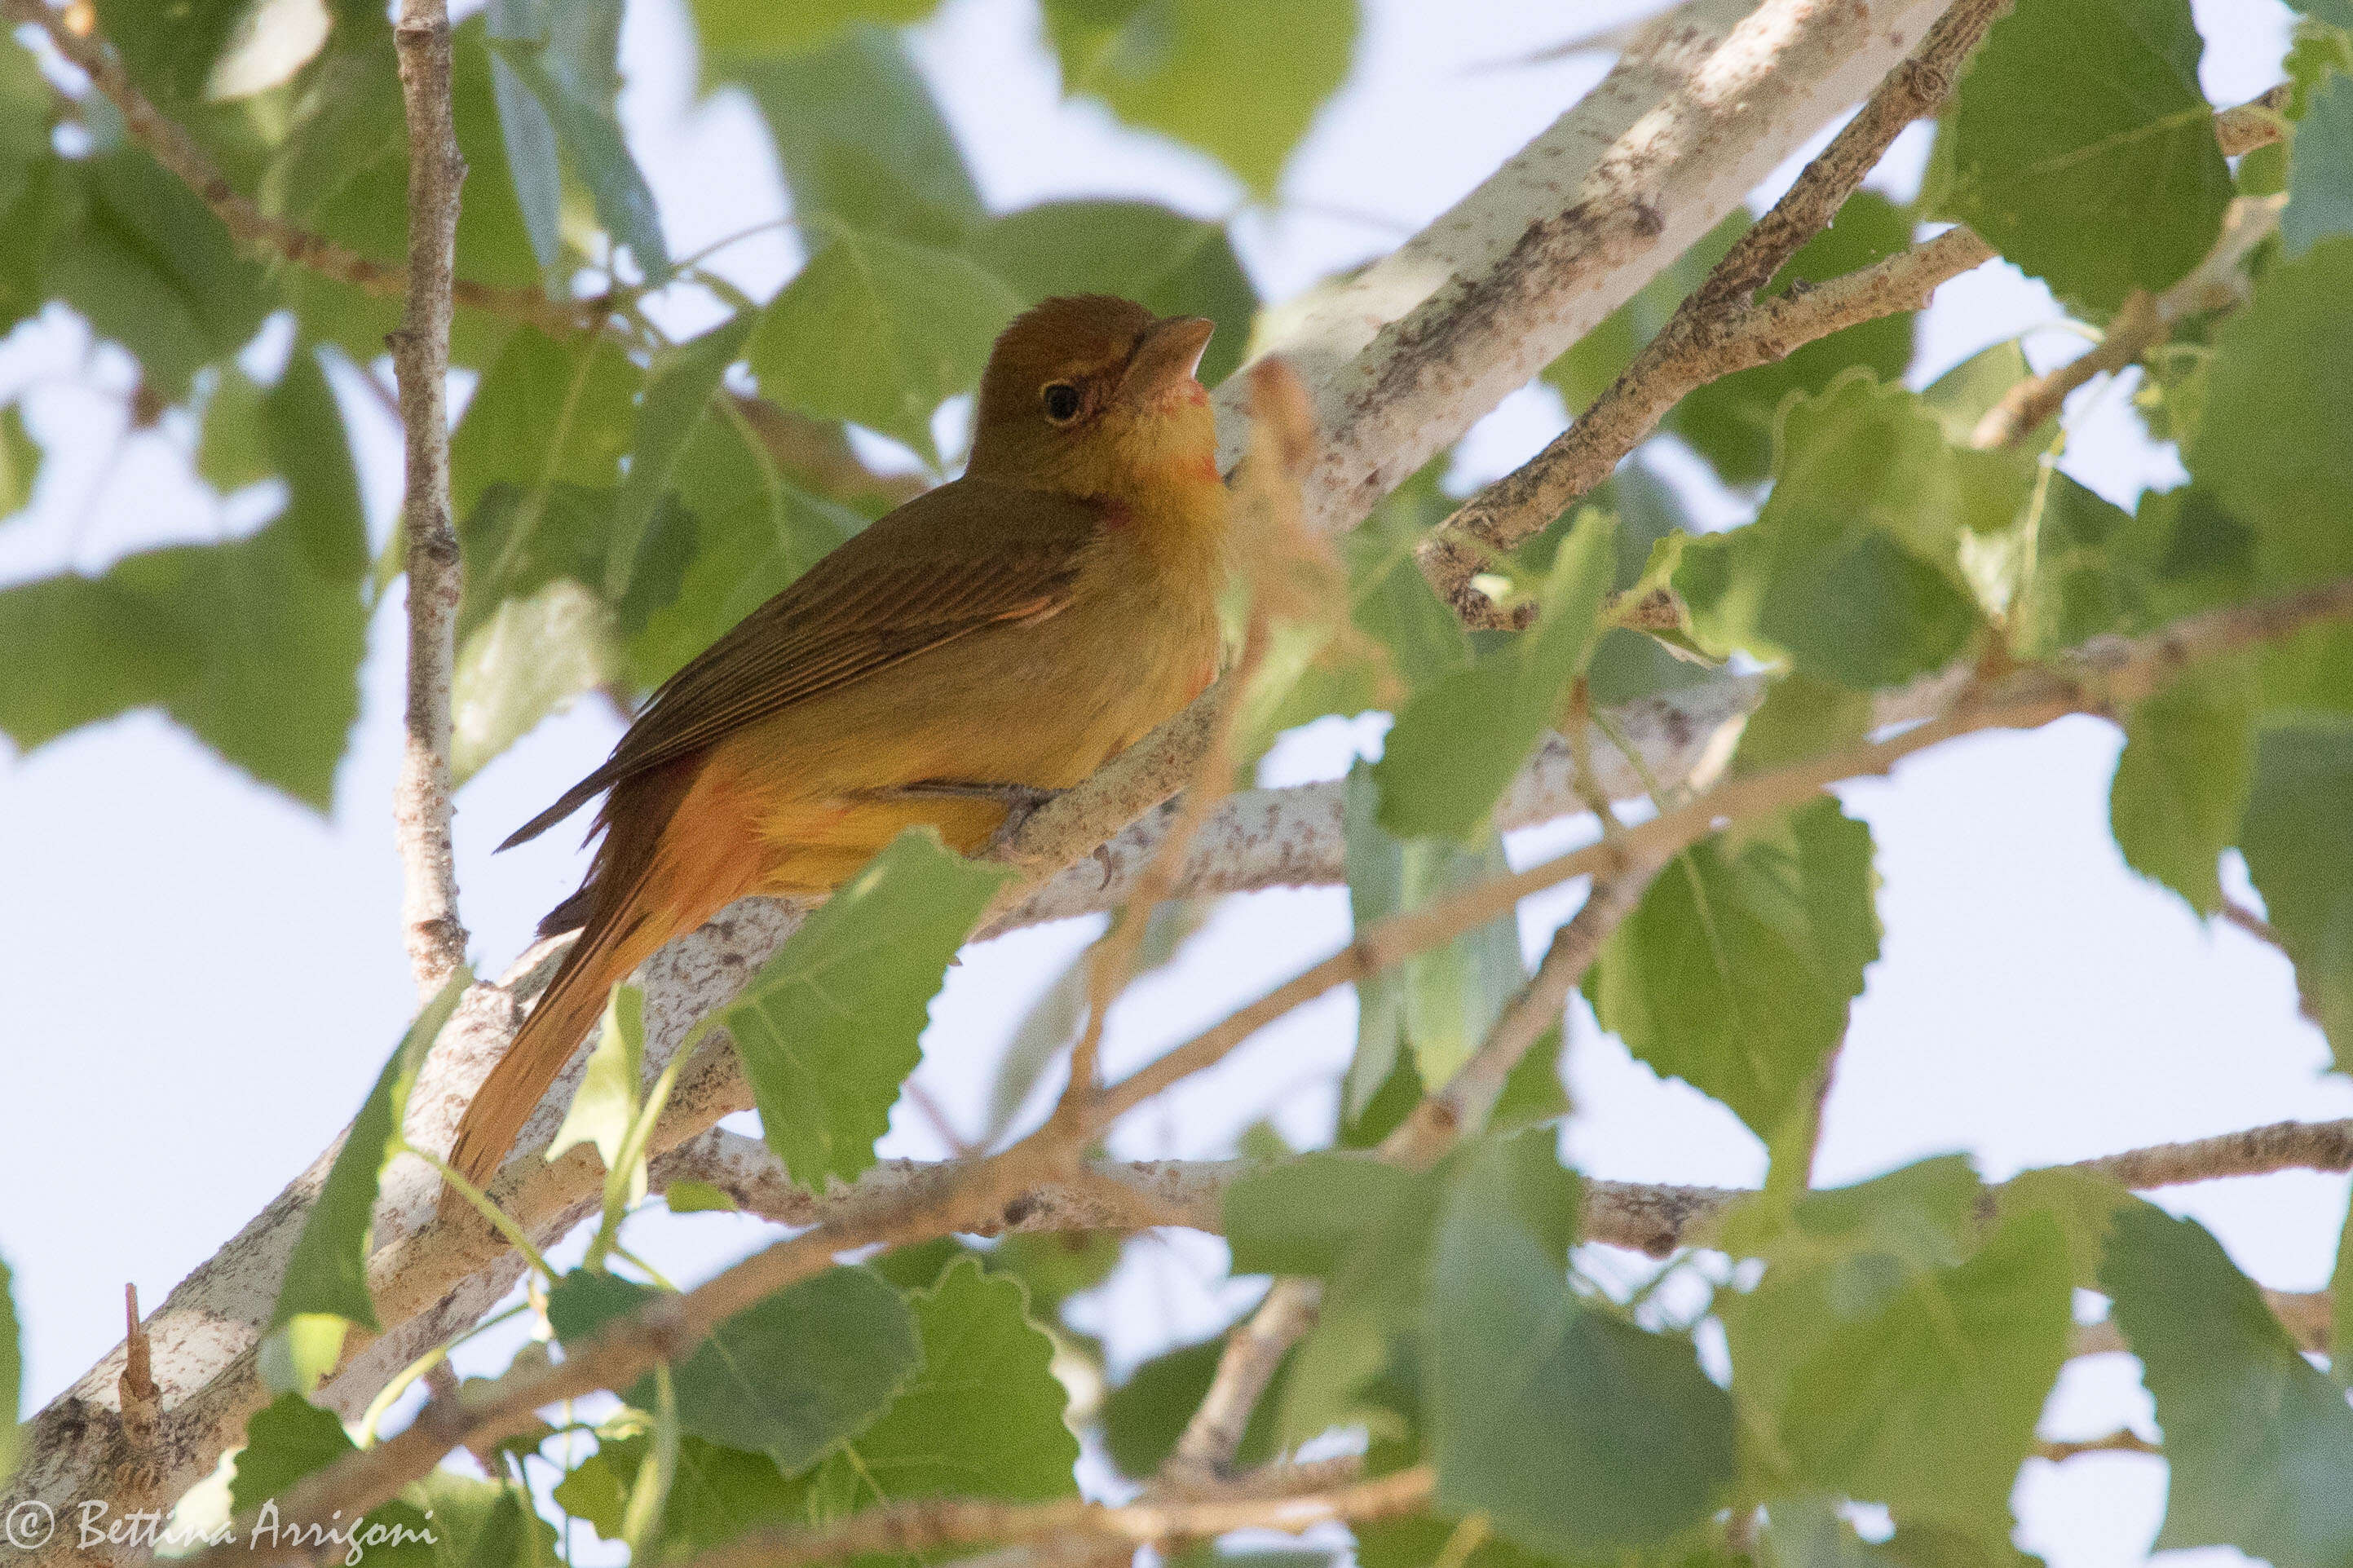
(1020, 802)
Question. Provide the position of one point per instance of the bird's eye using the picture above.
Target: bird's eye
(1061, 401)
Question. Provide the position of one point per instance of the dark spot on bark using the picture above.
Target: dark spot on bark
(1018, 1209)
(1678, 726)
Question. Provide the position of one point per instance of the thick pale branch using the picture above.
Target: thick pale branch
(421, 359)
(1701, 104)
(180, 154)
(1710, 333)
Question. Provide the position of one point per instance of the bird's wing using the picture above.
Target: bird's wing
(956, 559)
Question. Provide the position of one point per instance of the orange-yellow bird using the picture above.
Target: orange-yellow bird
(1018, 626)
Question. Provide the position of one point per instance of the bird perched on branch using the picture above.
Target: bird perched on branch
(1008, 631)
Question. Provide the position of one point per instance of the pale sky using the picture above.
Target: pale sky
(203, 978)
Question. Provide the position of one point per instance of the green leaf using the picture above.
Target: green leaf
(1364, 1228)
(2180, 787)
(341, 170)
(1532, 1094)
(2271, 447)
(1436, 1005)
(790, 1377)
(1143, 1417)
(1927, 1400)
(1576, 1431)
(1459, 742)
(1170, 264)
(326, 1274)
(2092, 568)
(2258, 1443)
(1237, 79)
(715, 1495)
(12, 1374)
(1886, 1355)
(679, 387)
(827, 1029)
(20, 461)
(1735, 971)
(1849, 571)
(1730, 421)
(1801, 719)
(2340, 1313)
(604, 1105)
(880, 332)
(533, 159)
(528, 659)
(546, 413)
(984, 1417)
(74, 650)
(2080, 144)
(285, 1440)
(564, 55)
(757, 28)
(148, 266)
(449, 1521)
(748, 533)
(686, 1196)
(860, 142)
(2320, 170)
(1391, 601)
(2298, 842)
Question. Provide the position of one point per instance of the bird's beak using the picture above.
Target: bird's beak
(1167, 357)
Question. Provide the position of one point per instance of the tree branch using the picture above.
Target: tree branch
(1711, 334)
(934, 1524)
(420, 360)
(181, 155)
(1105, 1194)
(1701, 104)
(2216, 283)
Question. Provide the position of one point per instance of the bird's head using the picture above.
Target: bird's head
(1095, 397)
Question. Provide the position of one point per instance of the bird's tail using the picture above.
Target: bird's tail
(566, 1010)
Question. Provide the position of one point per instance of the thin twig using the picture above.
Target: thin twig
(181, 155)
(2252, 924)
(2124, 1440)
(934, 1524)
(1468, 1096)
(2218, 282)
(420, 358)
(1267, 505)
(1708, 334)
(2258, 122)
(2282, 1146)
(1913, 90)
(1247, 1364)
